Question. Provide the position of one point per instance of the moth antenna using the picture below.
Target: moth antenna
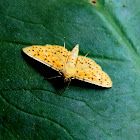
(64, 54)
(86, 54)
(64, 44)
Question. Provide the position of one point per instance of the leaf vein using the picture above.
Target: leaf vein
(9, 131)
(38, 116)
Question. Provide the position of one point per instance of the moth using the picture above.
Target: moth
(69, 64)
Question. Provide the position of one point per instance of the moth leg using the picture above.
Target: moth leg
(67, 86)
(54, 77)
(60, 73)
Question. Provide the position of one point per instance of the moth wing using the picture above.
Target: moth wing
(86, 63)
(96, 76)
(89, 71)
(51, 55)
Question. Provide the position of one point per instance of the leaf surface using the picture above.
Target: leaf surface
(32, 107)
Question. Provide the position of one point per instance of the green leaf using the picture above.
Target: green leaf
(32, 107)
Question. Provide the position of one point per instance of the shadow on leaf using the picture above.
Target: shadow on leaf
(57, 82)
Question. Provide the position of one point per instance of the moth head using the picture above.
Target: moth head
(66, 79)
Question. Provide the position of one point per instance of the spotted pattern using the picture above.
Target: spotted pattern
(96, 76)
(51, 55)
(86, 63)
(70, 64)
(89, 71)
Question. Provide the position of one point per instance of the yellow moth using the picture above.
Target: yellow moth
(69, 64)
